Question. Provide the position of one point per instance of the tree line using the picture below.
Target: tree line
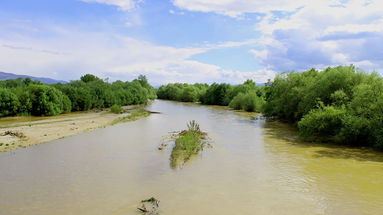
(341, 104)
(27, 97)
(246, 96)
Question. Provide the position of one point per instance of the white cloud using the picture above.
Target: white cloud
(309, 33)
(176, 12)
(121, 4)
(319, 35)
(68, 56)
(235, 8)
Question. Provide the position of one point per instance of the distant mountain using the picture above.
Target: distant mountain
(7, 76)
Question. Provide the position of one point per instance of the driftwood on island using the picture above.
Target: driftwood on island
(149, 206)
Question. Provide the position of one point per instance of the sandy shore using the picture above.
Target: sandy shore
(27, 131)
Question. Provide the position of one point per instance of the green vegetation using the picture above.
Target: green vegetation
(8, 103)
(188, 143)
(182, 92)
(246, 96)
(117, 109)
(27, 97)
(248, 102)
(343, 105)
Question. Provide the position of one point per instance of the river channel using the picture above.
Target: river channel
(254, 167)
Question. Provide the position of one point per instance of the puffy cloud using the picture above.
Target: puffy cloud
(68, 56)
(297, 35)
(121, 4)
(320, 35)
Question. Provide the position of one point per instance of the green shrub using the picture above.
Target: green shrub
(322, 124)
(117, 109)
(46, 100)
(249, 101)
(237, 101)
(8, 103)
(216, 94)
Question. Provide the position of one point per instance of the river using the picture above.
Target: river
(254, 167)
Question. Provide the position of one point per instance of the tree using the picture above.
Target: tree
(216, 94)
(46, 100)
(90, 78)
(8, 103)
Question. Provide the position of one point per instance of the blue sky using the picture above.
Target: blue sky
(187, 40)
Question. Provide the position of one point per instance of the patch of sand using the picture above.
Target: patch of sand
(43, 129)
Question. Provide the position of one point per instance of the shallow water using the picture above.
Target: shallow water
(254, 167)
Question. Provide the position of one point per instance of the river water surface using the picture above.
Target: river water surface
(254, 167)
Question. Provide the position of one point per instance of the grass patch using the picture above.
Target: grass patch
(131, 117)
(188, 143)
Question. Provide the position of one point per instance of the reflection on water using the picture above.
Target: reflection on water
(255, 167)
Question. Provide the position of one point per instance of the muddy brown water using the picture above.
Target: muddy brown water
(254, 167)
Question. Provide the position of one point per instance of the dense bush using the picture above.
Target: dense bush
(8, 103)
(341, 104)
(292, 95)
(48, 101)
(216, 94)
(322, 122)
(117, 109)
(182, 92)
(246, 96)
(249, 101)
(27, 97)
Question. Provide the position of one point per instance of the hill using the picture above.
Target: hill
(6, 76)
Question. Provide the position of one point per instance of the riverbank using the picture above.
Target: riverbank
(21, 132)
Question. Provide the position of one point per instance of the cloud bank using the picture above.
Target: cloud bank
(297, 35)
(117, 57)
(293, 35)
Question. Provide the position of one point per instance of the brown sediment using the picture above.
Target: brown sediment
(21, 132)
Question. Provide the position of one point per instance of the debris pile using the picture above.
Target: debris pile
(149, 206)
(14, 134)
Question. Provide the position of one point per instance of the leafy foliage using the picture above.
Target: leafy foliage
(341, 104)
(27, 97)
(322, 122)
(248, 102)
(216, 94)
(8, 103)
(48, 101)
(182, 92)
(247, 96)
(117, 109)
